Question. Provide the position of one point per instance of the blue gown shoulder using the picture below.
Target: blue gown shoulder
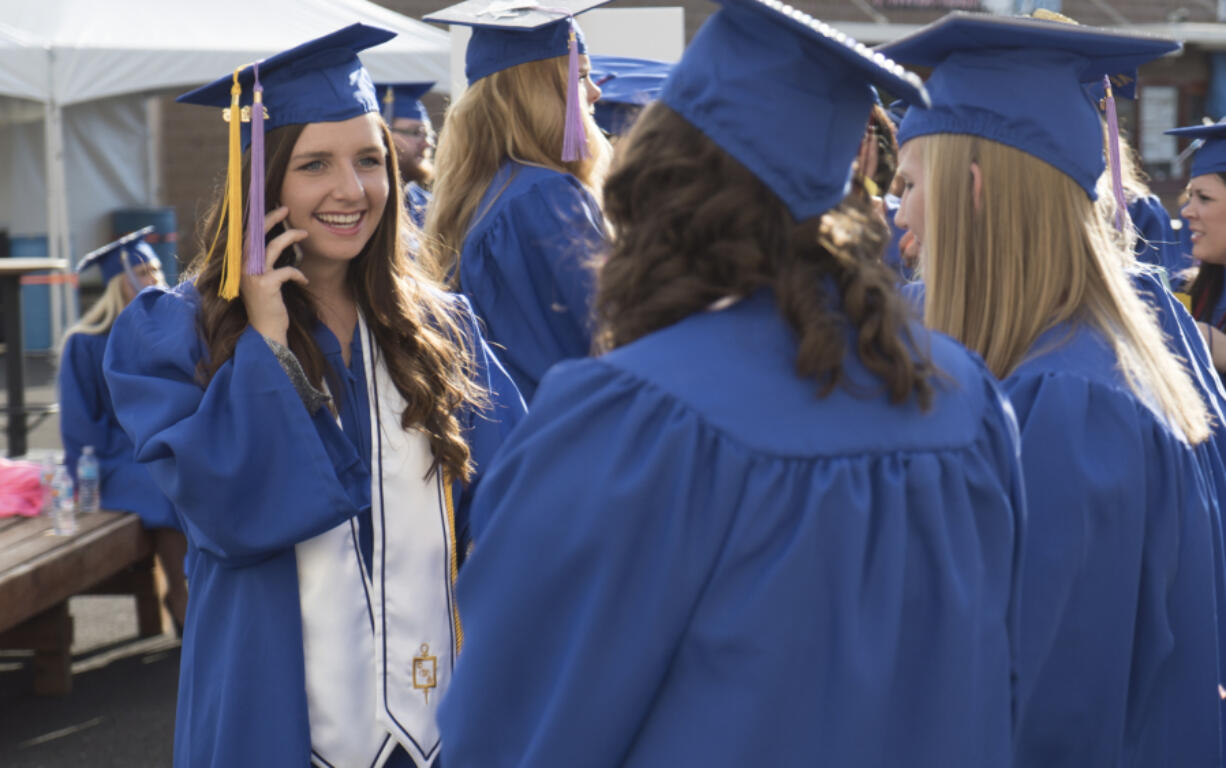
(525, 267)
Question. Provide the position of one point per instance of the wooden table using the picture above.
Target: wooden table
(11, 271)
(110, 553)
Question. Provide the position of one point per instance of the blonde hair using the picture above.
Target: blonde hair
(1034, 254)
(515, 114)
(101, 316)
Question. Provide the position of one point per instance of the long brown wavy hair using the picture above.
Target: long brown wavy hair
(693, 226)
(516, 114)
(416, 328)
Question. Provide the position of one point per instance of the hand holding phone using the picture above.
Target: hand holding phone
(289, 257)
(261, 294)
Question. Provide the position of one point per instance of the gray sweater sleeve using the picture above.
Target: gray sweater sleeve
(312, 398)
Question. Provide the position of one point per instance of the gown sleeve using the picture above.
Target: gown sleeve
(83, 412)
(87, 418)
(250, 471)
(1117, 573)
(528, 276)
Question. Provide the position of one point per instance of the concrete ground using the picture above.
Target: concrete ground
(120, 713)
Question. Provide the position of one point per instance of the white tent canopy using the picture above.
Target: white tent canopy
(100, 60)
(70, 51)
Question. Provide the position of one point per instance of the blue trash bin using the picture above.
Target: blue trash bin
(164, 237)
(35, 298)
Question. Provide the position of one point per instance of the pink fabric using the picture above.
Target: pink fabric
(21, 495)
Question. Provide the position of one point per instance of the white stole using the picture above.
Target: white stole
(379, 652)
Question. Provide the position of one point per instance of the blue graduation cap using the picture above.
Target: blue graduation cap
(320, 81)
(121, 256)
(507, 33)
(1019, 81)
(1210, 156)
(403, 100)
(626, 86)
(761, 57)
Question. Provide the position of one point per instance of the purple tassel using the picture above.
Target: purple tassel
(1113, 142)
(574, 137)
(255, 193)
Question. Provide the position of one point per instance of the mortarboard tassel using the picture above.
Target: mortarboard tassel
(389, 106)
(1113, 142)
(233, 214)
(574, 136)
(255, 192)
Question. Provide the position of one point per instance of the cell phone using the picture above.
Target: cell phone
(290, 257)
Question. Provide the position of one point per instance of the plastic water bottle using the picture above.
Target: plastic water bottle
(46, 479)
(65, 509)
(87, 481)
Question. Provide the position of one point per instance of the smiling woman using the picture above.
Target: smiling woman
(318, 437)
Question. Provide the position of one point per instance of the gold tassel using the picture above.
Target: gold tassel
(232, 210)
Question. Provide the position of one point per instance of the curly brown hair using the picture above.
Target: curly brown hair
(692, 226)
(417, 329)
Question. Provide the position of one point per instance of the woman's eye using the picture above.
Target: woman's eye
(371, 162)
(314, 165)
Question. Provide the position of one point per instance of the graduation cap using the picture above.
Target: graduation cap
(1019, 81)
(507, 33)
(1210, 155)
(761, 57)
(320, 81)
(626, 86)
(1123, 84)
(121, 256)
(404, 100)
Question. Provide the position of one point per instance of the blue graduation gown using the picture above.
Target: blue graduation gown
(87, 417)
(1119, 643)
(685, 558)
(524, 268)
(251, 474)
(416, 199)
(1184, 340)
(1158, 244)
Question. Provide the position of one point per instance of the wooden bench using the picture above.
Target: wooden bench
(109, 554)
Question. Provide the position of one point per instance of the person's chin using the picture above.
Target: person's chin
(420, 173)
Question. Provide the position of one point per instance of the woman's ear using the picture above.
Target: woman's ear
(976, 186)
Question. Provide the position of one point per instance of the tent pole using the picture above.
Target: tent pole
(65, 289)
(153, 150)
(51, 148)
